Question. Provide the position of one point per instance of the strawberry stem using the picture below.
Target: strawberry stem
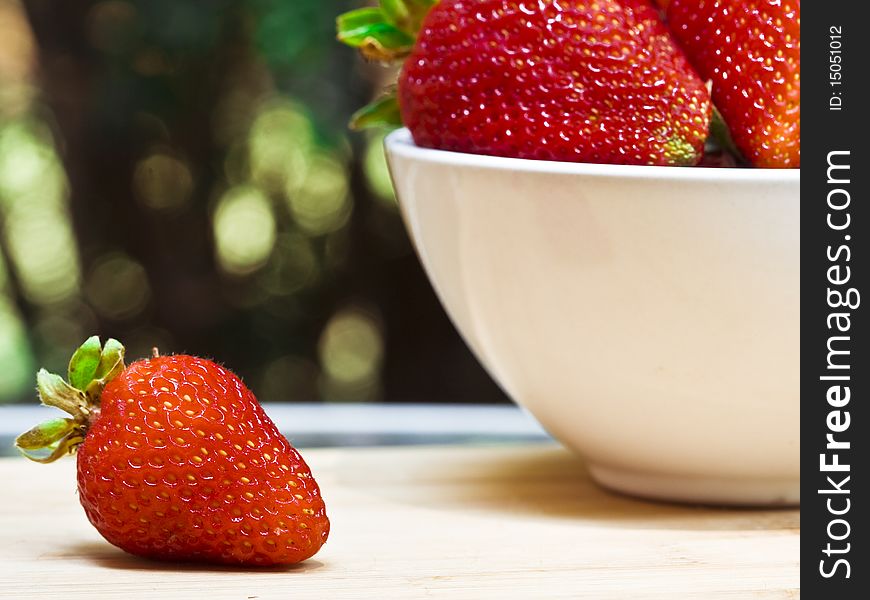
(92, 366)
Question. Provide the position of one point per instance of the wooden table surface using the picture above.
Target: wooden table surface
(498, 522)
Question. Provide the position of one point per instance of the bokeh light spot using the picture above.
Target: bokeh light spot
(163, 182)
(322, 203)
(25, 159)
(15, 353)
(244, 230)
(351, 349)
(293, 267)
(117, 286)
(279, 144)
(17, 60)
(33, 192)
(43, 250)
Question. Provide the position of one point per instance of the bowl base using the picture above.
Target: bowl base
(700, 490)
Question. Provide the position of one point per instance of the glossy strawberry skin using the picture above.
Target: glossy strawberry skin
(586, 81)
(183, 464)
(750, 49)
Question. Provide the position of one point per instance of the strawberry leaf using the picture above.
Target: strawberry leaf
(111, 365)
(418, 9)
(54, 391)
(396, 12)
(368, 30)
(383, 112)
(357, 28)
(90, 369)
(406, 14)
(45, 434)
(84, 362)
(60, 448)
(111, 359)
(348, 23)
(384, 34)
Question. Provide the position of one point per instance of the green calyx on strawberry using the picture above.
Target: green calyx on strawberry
(386, 33)
(90, 369)
(585, 81)
(176, 460)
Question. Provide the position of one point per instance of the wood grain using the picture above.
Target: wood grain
(418, 522)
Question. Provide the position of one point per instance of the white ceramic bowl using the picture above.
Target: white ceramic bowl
(647, 316)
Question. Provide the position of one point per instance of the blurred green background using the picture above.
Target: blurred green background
(178, 173)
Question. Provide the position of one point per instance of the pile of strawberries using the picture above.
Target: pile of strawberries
(601, 81)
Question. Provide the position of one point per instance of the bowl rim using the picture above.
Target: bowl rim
(401, 143)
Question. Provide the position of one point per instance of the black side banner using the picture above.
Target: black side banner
(835, 223)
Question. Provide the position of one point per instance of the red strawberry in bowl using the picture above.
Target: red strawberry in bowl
(750, 50)
(586, 81)
(178, 461)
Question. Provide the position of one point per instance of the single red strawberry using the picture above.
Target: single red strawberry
(750, 49)
(178, 461)
(587, 80)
